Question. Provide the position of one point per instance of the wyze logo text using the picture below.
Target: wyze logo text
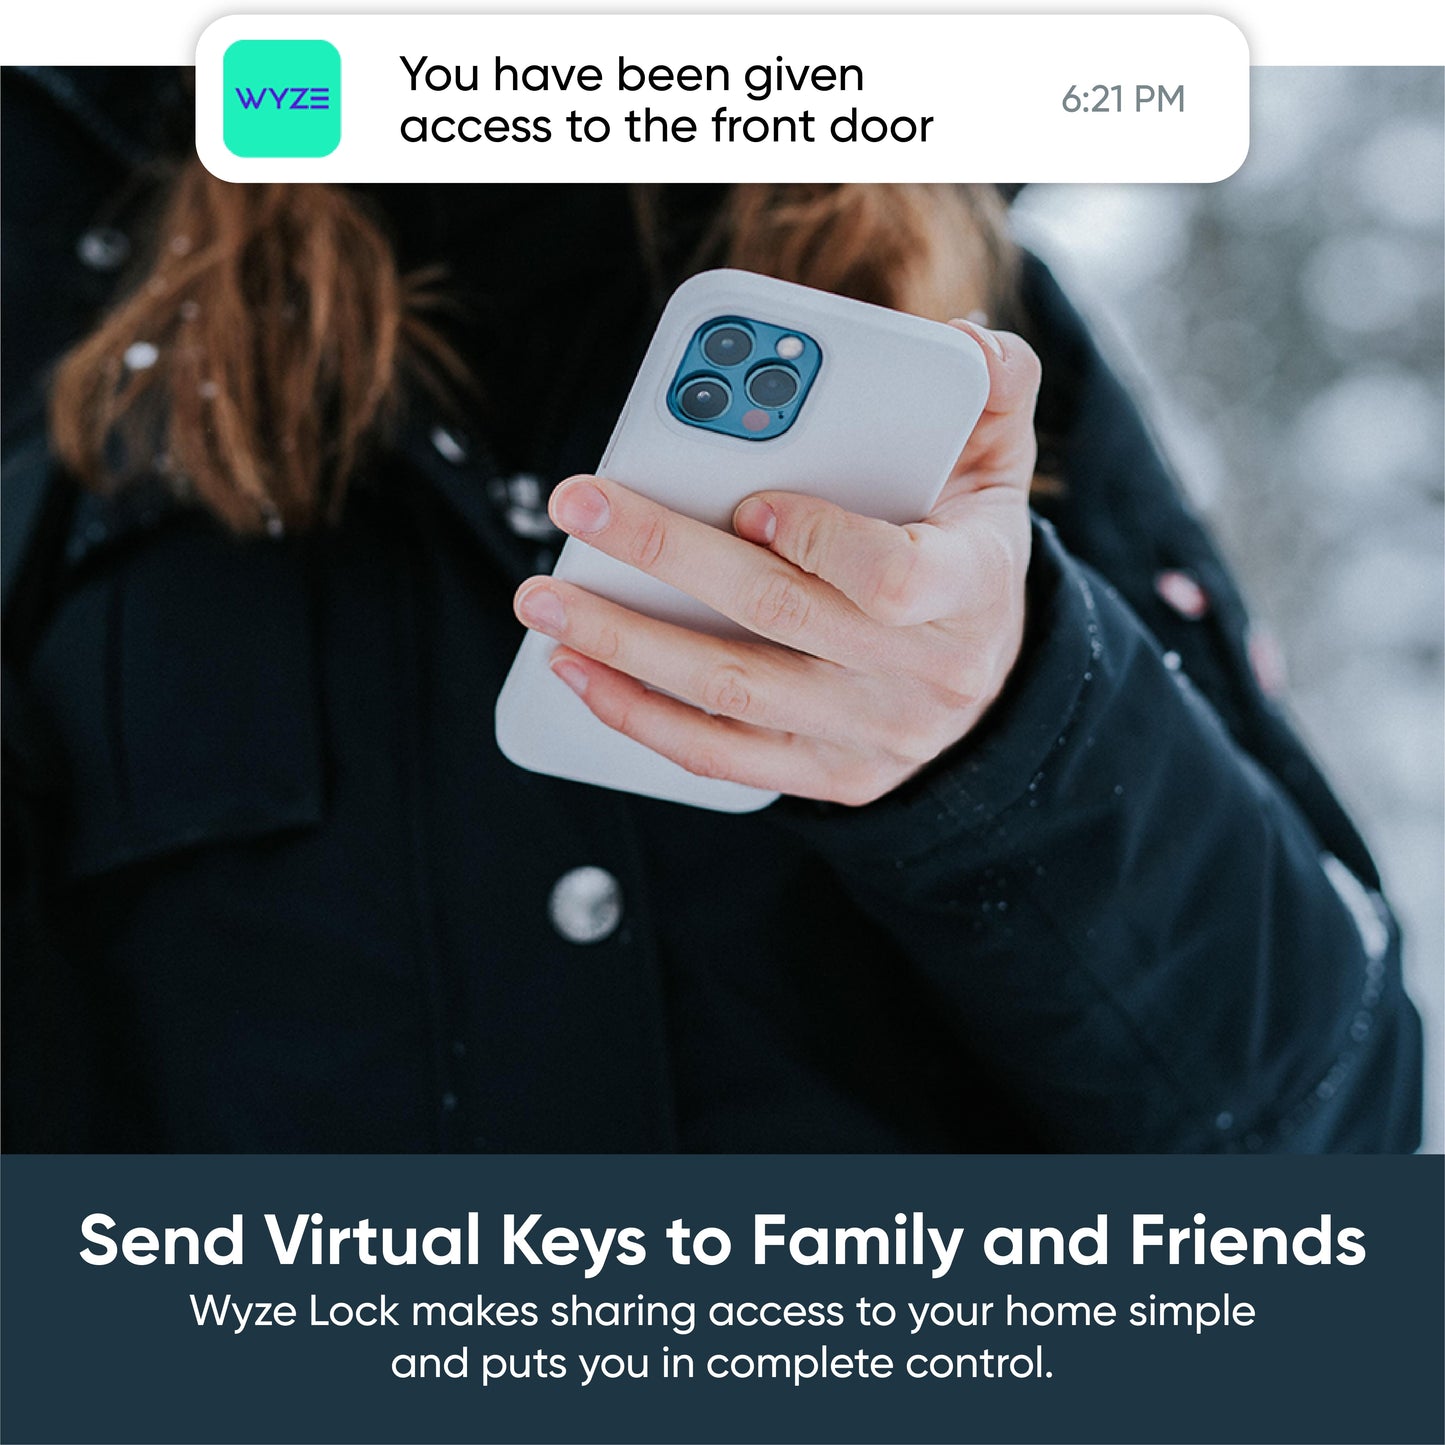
(301, 97)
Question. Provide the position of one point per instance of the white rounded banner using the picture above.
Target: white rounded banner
(727, 98)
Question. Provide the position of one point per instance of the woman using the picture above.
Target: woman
(1052, 873)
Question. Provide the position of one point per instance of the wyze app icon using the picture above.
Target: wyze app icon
(283, 98)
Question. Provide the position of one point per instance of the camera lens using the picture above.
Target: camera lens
(727, 346)
(704, 398)
(772, 386)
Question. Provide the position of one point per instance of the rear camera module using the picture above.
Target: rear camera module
(704, 398)
(772, 386)
(727, 346)
(743, 376)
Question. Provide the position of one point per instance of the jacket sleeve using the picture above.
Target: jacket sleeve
(1129, 921)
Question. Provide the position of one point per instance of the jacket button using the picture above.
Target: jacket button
(585, 905)
(103, 249)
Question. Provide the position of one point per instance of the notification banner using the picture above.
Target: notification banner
(546, 1298)
(722, 98)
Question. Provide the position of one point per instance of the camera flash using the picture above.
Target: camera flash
(790, 348)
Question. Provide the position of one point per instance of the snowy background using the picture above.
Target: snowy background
(1292, 322)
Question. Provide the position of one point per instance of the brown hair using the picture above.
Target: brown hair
(270, 335)
(937, 251)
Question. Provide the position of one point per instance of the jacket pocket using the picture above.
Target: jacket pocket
(180, 681)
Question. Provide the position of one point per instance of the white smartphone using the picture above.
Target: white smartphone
(749, 384)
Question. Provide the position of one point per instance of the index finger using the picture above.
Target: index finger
(760, 591)
(898, 576)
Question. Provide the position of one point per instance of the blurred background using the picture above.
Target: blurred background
(1284, 330)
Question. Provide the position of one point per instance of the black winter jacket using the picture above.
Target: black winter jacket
(273, 887)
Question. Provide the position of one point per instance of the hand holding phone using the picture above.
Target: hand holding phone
(831, 644)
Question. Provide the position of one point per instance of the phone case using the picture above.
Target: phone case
(879, 430)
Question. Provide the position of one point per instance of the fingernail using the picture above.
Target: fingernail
(580, 508)
(989, 340)
(542, 608)
(755, 520)
(979, 318)
(981, 333)
(574, 675)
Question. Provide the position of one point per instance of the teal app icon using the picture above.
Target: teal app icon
(283, 97)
